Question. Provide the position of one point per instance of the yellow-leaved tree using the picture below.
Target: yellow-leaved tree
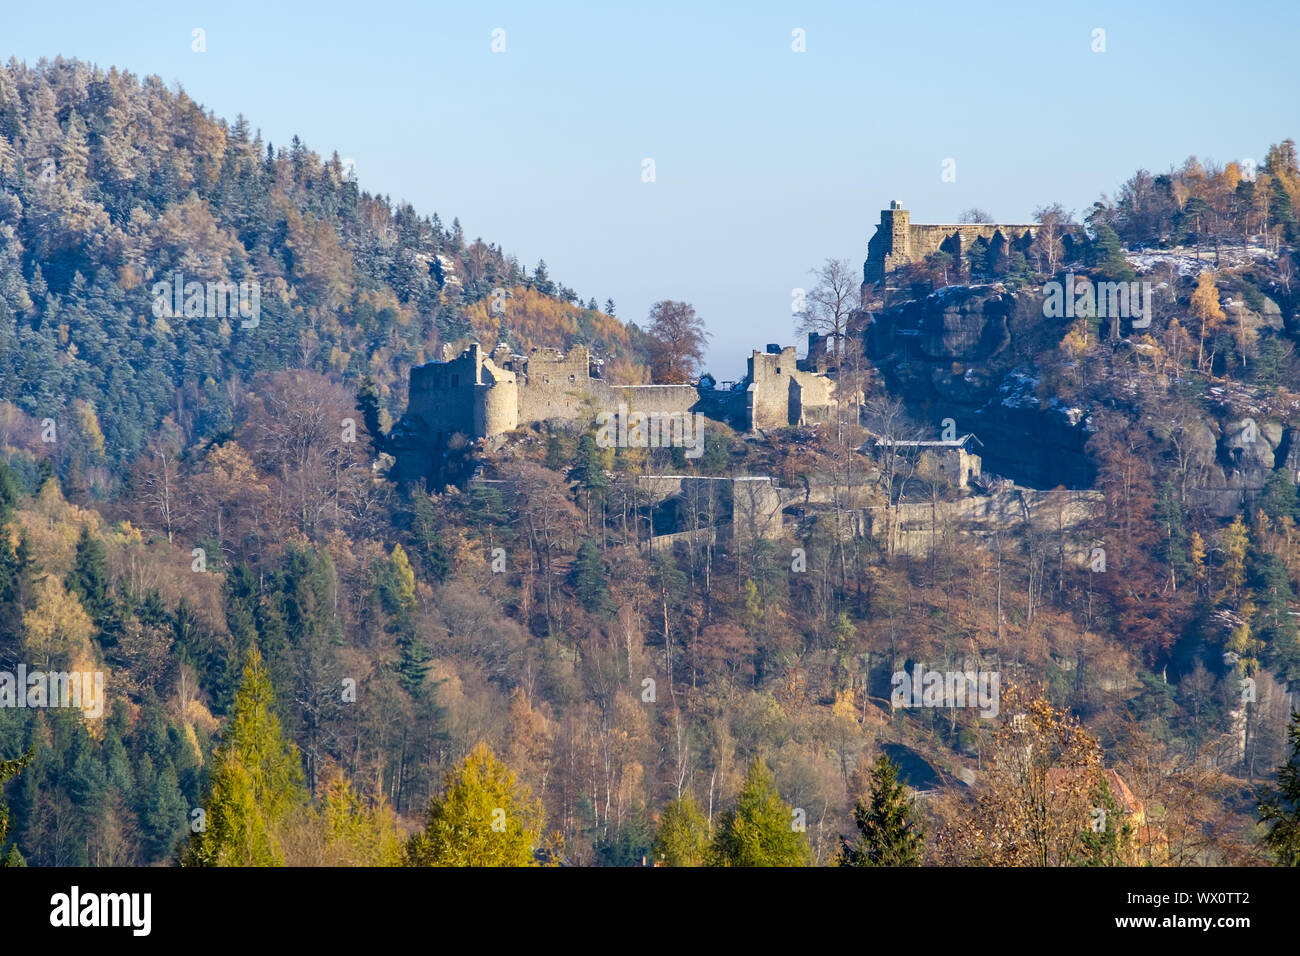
(1034, 804)
(1207, 312)
(56, 625)
(484, 817)
(345, 830)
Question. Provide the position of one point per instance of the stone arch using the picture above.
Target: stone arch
(998, 253)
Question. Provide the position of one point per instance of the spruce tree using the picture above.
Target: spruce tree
(256, 783)
(890, 832)
(165, 813)
(554, 452)
(589, 472)
(760, 830)
(1279, 807)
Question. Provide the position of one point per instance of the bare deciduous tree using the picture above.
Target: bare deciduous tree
(831, 301)
(1048, 249)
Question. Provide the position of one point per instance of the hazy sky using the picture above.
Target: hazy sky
(767, 161)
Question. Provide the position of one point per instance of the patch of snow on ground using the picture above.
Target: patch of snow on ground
(1069, 413)
(1020, 390)
(1186, 262)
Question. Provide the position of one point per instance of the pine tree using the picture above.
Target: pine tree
(1279, 807)
(1106, 254)
(483, 818)
(890, 831)
(682, 838)
(256, 782)
(760, 830)
(1280, 499)
(1192, 218)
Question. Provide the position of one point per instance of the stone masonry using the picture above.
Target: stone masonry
(476, 396)
(898, 241)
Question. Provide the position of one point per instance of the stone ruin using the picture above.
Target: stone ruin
(475, 396)
(899, 242)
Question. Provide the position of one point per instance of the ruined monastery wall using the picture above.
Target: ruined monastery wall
(898, 241)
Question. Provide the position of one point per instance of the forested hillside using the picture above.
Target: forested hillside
(306, 663)
(110, 184)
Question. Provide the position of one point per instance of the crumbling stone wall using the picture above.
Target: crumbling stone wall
(653, 398)
(918, 526)
(554, 385)
(477, 396)
(448, 397)
(784, 392)
(898, 241)
(749, 506)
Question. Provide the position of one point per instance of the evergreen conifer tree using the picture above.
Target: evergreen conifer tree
(483, 818)
(760, 830)
(890, 832)
(682, 838)
(588, 579)
(1279, 807)
(10, 768)
(256, 782)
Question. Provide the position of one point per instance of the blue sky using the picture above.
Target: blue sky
(767, 161)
